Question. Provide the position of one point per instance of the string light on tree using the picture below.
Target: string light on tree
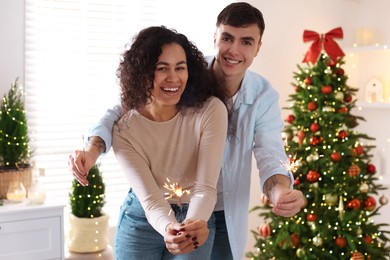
(14, 149)
(88, 223)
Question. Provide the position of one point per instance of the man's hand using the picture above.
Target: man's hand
(287, 202)
(185, 238)
(80, 162)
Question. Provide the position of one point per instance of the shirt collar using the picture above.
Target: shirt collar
(245, 93)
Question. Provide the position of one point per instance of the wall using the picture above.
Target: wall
(11, 43)
(281, 51)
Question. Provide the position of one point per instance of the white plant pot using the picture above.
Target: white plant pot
(87, 235)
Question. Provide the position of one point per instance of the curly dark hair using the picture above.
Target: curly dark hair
(138, 65)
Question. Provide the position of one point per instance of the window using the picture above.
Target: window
(72, 50)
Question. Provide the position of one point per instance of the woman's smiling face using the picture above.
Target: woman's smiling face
(170, 76)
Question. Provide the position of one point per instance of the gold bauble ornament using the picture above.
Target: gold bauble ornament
(317, 241)
(339, 96)
(315, 156)
(331, 199)
(383, 200)
(300, 252)
(364, 187)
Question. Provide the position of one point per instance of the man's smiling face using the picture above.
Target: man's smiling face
(236, 47)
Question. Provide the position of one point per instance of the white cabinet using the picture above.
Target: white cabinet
(31, 232)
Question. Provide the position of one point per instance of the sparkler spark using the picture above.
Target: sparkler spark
(292, 164)
(175, 191)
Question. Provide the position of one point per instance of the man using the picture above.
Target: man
(254, 128)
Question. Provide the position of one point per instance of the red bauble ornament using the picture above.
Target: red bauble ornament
(340, 72)
(314, 127)
(348, 98)
(341, 242)
(314, 140)
(343, 134)
(312, 105)
(311, 217)
(265, 230)
(368, 239)
(312, 176)
(371, 168)
(354, 170)
(296, 88)
(353, 204)
(343, 110)
(370, 203)
(326, 89)
(336, 156)
(290, 118)
(297, 182)
(357, 256)
(358, 150)
(307, 81)
(295, 239)
(331, 63)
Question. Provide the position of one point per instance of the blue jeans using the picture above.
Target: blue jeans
(136, 239)
(221, 247)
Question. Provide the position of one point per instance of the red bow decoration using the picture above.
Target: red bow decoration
(325, 42)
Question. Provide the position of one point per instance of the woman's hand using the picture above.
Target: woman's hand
(186, 237)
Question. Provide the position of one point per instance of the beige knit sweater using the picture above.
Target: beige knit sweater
(187, 150)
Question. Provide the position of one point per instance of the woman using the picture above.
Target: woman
(169, 143)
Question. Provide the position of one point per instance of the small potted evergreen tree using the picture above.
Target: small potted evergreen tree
(15, 152)
(88, 223)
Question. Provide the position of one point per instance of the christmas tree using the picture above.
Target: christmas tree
(88, 201)
(332, 166)
(88, 223)
(14, 148)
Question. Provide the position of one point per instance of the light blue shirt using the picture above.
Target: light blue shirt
(257, 126)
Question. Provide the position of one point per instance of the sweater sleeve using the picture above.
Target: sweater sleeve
(213, 130)
(137, 171)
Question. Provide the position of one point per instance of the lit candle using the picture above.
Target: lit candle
(16, 192)
(16, 196)
(36, 197)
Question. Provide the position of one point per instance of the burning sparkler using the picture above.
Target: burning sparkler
(175, 191)
(292, 164)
